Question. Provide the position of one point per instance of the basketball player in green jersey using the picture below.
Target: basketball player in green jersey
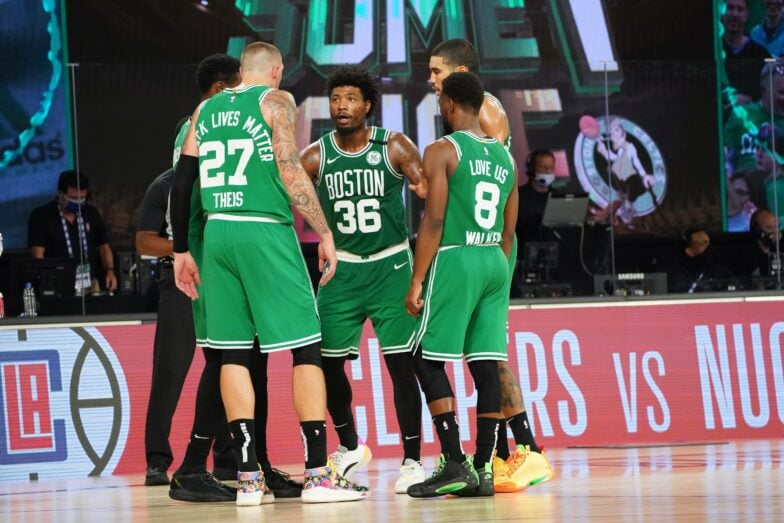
(464, 241)
(528, 465)
(241, 146)
(359, 173)
(189, 482)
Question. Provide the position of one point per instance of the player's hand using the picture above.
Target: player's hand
(419, 188)
(414, 301)
(328, 259)
(186, 274)
(649, 180)
(111, 281)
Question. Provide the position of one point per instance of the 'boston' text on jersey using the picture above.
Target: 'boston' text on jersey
(355, 182)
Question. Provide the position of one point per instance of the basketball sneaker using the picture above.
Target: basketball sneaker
(411, 472)
(201, 486)
(448, 478)
(325, 485)
(346, 462)
(526, 469)
(281, 484)
(500, 467)
(250, 488)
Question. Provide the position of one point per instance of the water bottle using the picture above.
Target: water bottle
(28, 300)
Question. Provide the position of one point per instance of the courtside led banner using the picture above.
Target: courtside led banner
(73, 400)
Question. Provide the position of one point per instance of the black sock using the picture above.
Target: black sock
(486, 436)
(243, 435)
(502, 445)
(196, 454)
(412, 447)
(522, 431)
(314, 437)
(449, 436)
(347, 434)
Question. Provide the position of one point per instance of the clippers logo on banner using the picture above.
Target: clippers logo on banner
(28, 434)
(64, 404)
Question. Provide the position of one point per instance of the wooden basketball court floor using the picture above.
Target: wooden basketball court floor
(735, 481)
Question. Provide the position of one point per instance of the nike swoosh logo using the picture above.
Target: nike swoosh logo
(201, 437)
(410, 437)
(332, 160)
(401, 265)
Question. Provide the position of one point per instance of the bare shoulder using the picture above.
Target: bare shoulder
(310, 157)
(492, 108)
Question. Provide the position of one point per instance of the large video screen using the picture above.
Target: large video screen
(751, 35)
(617, 127)
(34, 119)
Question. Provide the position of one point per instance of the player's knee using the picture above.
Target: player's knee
(400, 366)
(432, 378)
(307, 355)
(239, 357)
(488, 386)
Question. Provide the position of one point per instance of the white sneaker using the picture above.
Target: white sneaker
(346, 462)
(410, 473)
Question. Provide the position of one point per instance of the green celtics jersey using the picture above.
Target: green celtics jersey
(478, 190)
(741, 134)
(196, 224)
(362, 195)
(237, 167)
(508, 141)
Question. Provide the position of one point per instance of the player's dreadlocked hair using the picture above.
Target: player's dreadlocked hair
(355, 77)
(457, 52)
(216, 68)
(465, 90)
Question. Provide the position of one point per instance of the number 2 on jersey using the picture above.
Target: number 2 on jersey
(213, 158)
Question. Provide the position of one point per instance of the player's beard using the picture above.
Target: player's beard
(445, 127)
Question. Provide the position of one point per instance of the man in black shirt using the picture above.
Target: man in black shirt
(68, 227)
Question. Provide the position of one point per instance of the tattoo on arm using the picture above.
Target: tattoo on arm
(511, 394)
(281, 113)
(409, 162)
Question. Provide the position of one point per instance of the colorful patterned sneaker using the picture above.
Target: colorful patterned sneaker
(281, 484)
(346, 462)
(325, 485)
(500, 467)
(410, 473)
(201, 486)
(526, 469)
(449, 478)
(250, 488)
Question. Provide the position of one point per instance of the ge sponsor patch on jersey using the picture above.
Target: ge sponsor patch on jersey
(64, 405)
(373, 157)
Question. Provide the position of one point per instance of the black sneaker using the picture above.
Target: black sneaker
(485, 485)
(225, 474)
(155, 476)
(449, 478)
(201, 486)
(281, 484)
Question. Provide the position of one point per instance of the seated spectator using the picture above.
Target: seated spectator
(770, 32)
(744, 57)
(540, 171)
(68, 227)
(698, 263)
(740, 207)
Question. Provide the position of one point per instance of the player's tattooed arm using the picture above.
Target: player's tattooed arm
(310, 158)
(405, 158)
(280, 112)
(511, 395)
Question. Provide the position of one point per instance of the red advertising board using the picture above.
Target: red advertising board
(591, 375)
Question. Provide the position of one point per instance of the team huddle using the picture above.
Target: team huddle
(239, 174)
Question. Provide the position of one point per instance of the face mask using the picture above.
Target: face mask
(74, 206)
(545, 179)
